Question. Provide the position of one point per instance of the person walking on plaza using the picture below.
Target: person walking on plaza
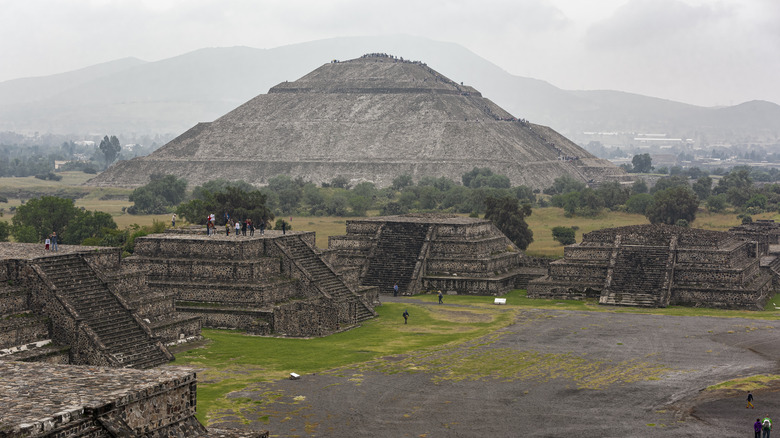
(749, 401)
(395, 290)
(766, 426)
(406, 317)
(440, 297)
(757, 428)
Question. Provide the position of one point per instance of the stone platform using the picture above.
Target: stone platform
(660, 265)
(38, 400)
(430, 252)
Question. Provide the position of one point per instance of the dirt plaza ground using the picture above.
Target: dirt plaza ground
(551, 373)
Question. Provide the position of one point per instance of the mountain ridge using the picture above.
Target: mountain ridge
(171, 95)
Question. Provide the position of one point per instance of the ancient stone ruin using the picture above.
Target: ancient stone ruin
(46, 400)
(84, 305)
(273, 283)
(430, 252)
(367, 119)
(64, 307)
(659, 265)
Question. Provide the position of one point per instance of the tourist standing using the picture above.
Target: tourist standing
(406, 317)
(395, 290)
(766, 426)
(749, 401)
(757, 428)
(251, 227)
(238, 228)
(173, 221)
(262, 227)
(54, 240)
(227, 229)
(440, 297)
(284, 227)
(243, 227)
(47, 243)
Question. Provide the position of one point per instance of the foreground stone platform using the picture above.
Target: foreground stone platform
(39, 400)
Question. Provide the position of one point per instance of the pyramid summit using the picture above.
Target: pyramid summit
(367, 119)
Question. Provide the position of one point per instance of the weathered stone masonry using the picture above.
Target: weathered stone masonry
(659, 265)
(429, 252)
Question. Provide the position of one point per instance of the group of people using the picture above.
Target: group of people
(51, 242)
(761, 428)
(240, 227)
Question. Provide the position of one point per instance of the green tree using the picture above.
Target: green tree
(290, 192)
(43, 215)
(110, 148)
(5, 231)
(402, 181)
(703, 187)
(507, 214)
(642, 163)
(237, 203)
(564, 235)
(86, 225)
(736, 185)
(613, 194)
(566, 184)
(39, 217)
(716, 203)
(673, 204)
(669, 182)
(639, 203)
(340, 182)
(156, 197)
(639, 186)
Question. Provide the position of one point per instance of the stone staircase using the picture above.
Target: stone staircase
(639, 277)
(114, 325)
(322, 275)
(397, 251)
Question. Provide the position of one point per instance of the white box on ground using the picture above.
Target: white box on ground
(294, 376)
(500, 301)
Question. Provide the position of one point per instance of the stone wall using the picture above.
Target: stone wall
(256, 322)
(22, 329)
(306, 319)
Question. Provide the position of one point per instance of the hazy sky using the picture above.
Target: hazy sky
(706, 52)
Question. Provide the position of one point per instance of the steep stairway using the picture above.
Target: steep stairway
(397, 250)
(639, 277)
(324, 276)
(102, 311)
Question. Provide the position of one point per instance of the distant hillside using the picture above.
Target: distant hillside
(172, 95)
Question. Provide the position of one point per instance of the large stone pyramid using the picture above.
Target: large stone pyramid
(368, 119)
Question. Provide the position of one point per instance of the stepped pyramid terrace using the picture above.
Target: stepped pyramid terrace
(273, 283)
(431, 252)
(661, 265)
(367, 119)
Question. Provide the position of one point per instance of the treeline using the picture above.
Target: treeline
(294, 196)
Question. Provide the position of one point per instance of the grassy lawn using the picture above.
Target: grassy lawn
(232, 361)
